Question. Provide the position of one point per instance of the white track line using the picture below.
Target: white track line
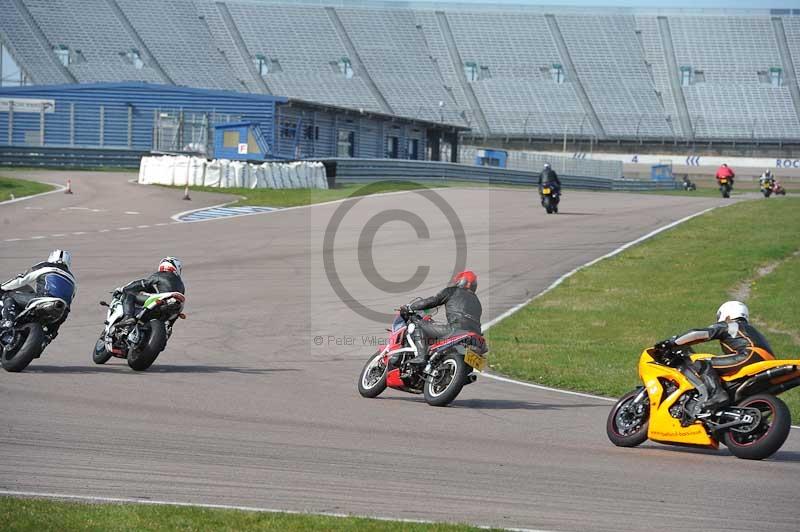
(126, 500)
(59, 188)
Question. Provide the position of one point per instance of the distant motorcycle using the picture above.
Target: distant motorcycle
(550, 198)
(30, 334)
(778, 189)
(767, 188)
(725, 186)
(688, 185)
(450, 366)
(142, 342)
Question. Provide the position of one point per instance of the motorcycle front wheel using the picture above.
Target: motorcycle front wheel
(372, 379)
(101, 355)
(142, 358)
(627, 422)
(28, 342)
(451, 374)
(767, 436)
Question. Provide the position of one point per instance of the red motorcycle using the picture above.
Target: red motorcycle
(778, 189)
(450, 367)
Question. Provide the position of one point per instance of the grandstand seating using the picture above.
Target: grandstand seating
(622, 80)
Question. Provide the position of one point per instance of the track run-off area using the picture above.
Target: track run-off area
(254, 401)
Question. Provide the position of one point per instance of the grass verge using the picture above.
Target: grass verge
(309, 196)
(20, 187)
(587, 334)
(37, 515)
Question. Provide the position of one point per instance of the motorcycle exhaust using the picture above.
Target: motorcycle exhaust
(471, 378)
(762, 378)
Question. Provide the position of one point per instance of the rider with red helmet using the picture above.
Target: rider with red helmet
(463, 311)
(166, 279)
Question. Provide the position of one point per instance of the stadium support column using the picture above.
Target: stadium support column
(134, 35)
(241, 47)
(458, 66)
(788, 65)
(41, 38)
(566, 60)
(674, 77)
(355, 60)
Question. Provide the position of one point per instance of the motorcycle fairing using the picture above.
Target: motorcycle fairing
(474, 339)
(662, 426)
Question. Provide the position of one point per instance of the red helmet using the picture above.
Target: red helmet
(466, 279)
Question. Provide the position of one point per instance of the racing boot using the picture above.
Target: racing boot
(717, 396)
(422, 348)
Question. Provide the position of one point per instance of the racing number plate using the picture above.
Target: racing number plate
(545, 191)
(474, 359)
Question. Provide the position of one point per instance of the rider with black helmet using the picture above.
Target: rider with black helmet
(463, 311)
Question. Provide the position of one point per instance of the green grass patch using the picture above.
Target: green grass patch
(20, 187)
(293, 197)
(37, 515)
(587, 334)
(308, 196)
(775, 297)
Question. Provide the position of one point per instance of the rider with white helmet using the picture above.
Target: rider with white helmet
(50, 278)
(741, 343)
(166, 279)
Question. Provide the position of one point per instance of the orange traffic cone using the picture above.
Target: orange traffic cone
(186, 193)
(69, 187)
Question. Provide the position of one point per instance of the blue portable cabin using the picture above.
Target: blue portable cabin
(494, 158)
(243, 141)
(144, 117)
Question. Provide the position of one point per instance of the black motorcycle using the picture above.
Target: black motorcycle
(725, 186)
(551, 197)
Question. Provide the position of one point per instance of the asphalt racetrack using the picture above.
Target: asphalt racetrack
(254, 402)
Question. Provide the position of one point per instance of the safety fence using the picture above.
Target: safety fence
(563, 164)
(56, 157)
(432, 172)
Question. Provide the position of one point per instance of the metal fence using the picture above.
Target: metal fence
(50, 157)
(434, 172)
(529, 161)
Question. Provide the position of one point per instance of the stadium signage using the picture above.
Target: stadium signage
(787, 163)
(27, 105)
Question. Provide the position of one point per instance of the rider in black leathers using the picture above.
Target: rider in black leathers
(737, 337)
(166, 279)
(17, 293)
(463, 309)
(549, 178)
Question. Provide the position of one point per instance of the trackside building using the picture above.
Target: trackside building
(148, 117)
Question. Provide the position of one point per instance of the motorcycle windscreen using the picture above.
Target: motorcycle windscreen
(58, 286)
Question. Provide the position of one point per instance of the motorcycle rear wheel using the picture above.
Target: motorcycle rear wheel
(625, 426)
(768, 436)
(445, 387)
(370, 383)
(29, 346)
(141, 359)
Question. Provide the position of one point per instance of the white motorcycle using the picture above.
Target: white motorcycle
(32, 328)
(141, 342)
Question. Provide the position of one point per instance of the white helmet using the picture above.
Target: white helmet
(170, 264)
(60, 256)
(731, 310)
(546, 166)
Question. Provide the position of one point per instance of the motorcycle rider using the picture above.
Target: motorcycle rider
(737, 337)
(725, 171)
(549, 178)
(767, 179)
(463, 309)
(37, 282)
(687, 183)
(166, 279)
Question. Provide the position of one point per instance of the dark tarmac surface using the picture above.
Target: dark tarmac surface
(254, 401)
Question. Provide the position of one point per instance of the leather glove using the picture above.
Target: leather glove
(405, 312)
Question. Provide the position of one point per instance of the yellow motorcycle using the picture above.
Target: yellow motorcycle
(754, 427)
